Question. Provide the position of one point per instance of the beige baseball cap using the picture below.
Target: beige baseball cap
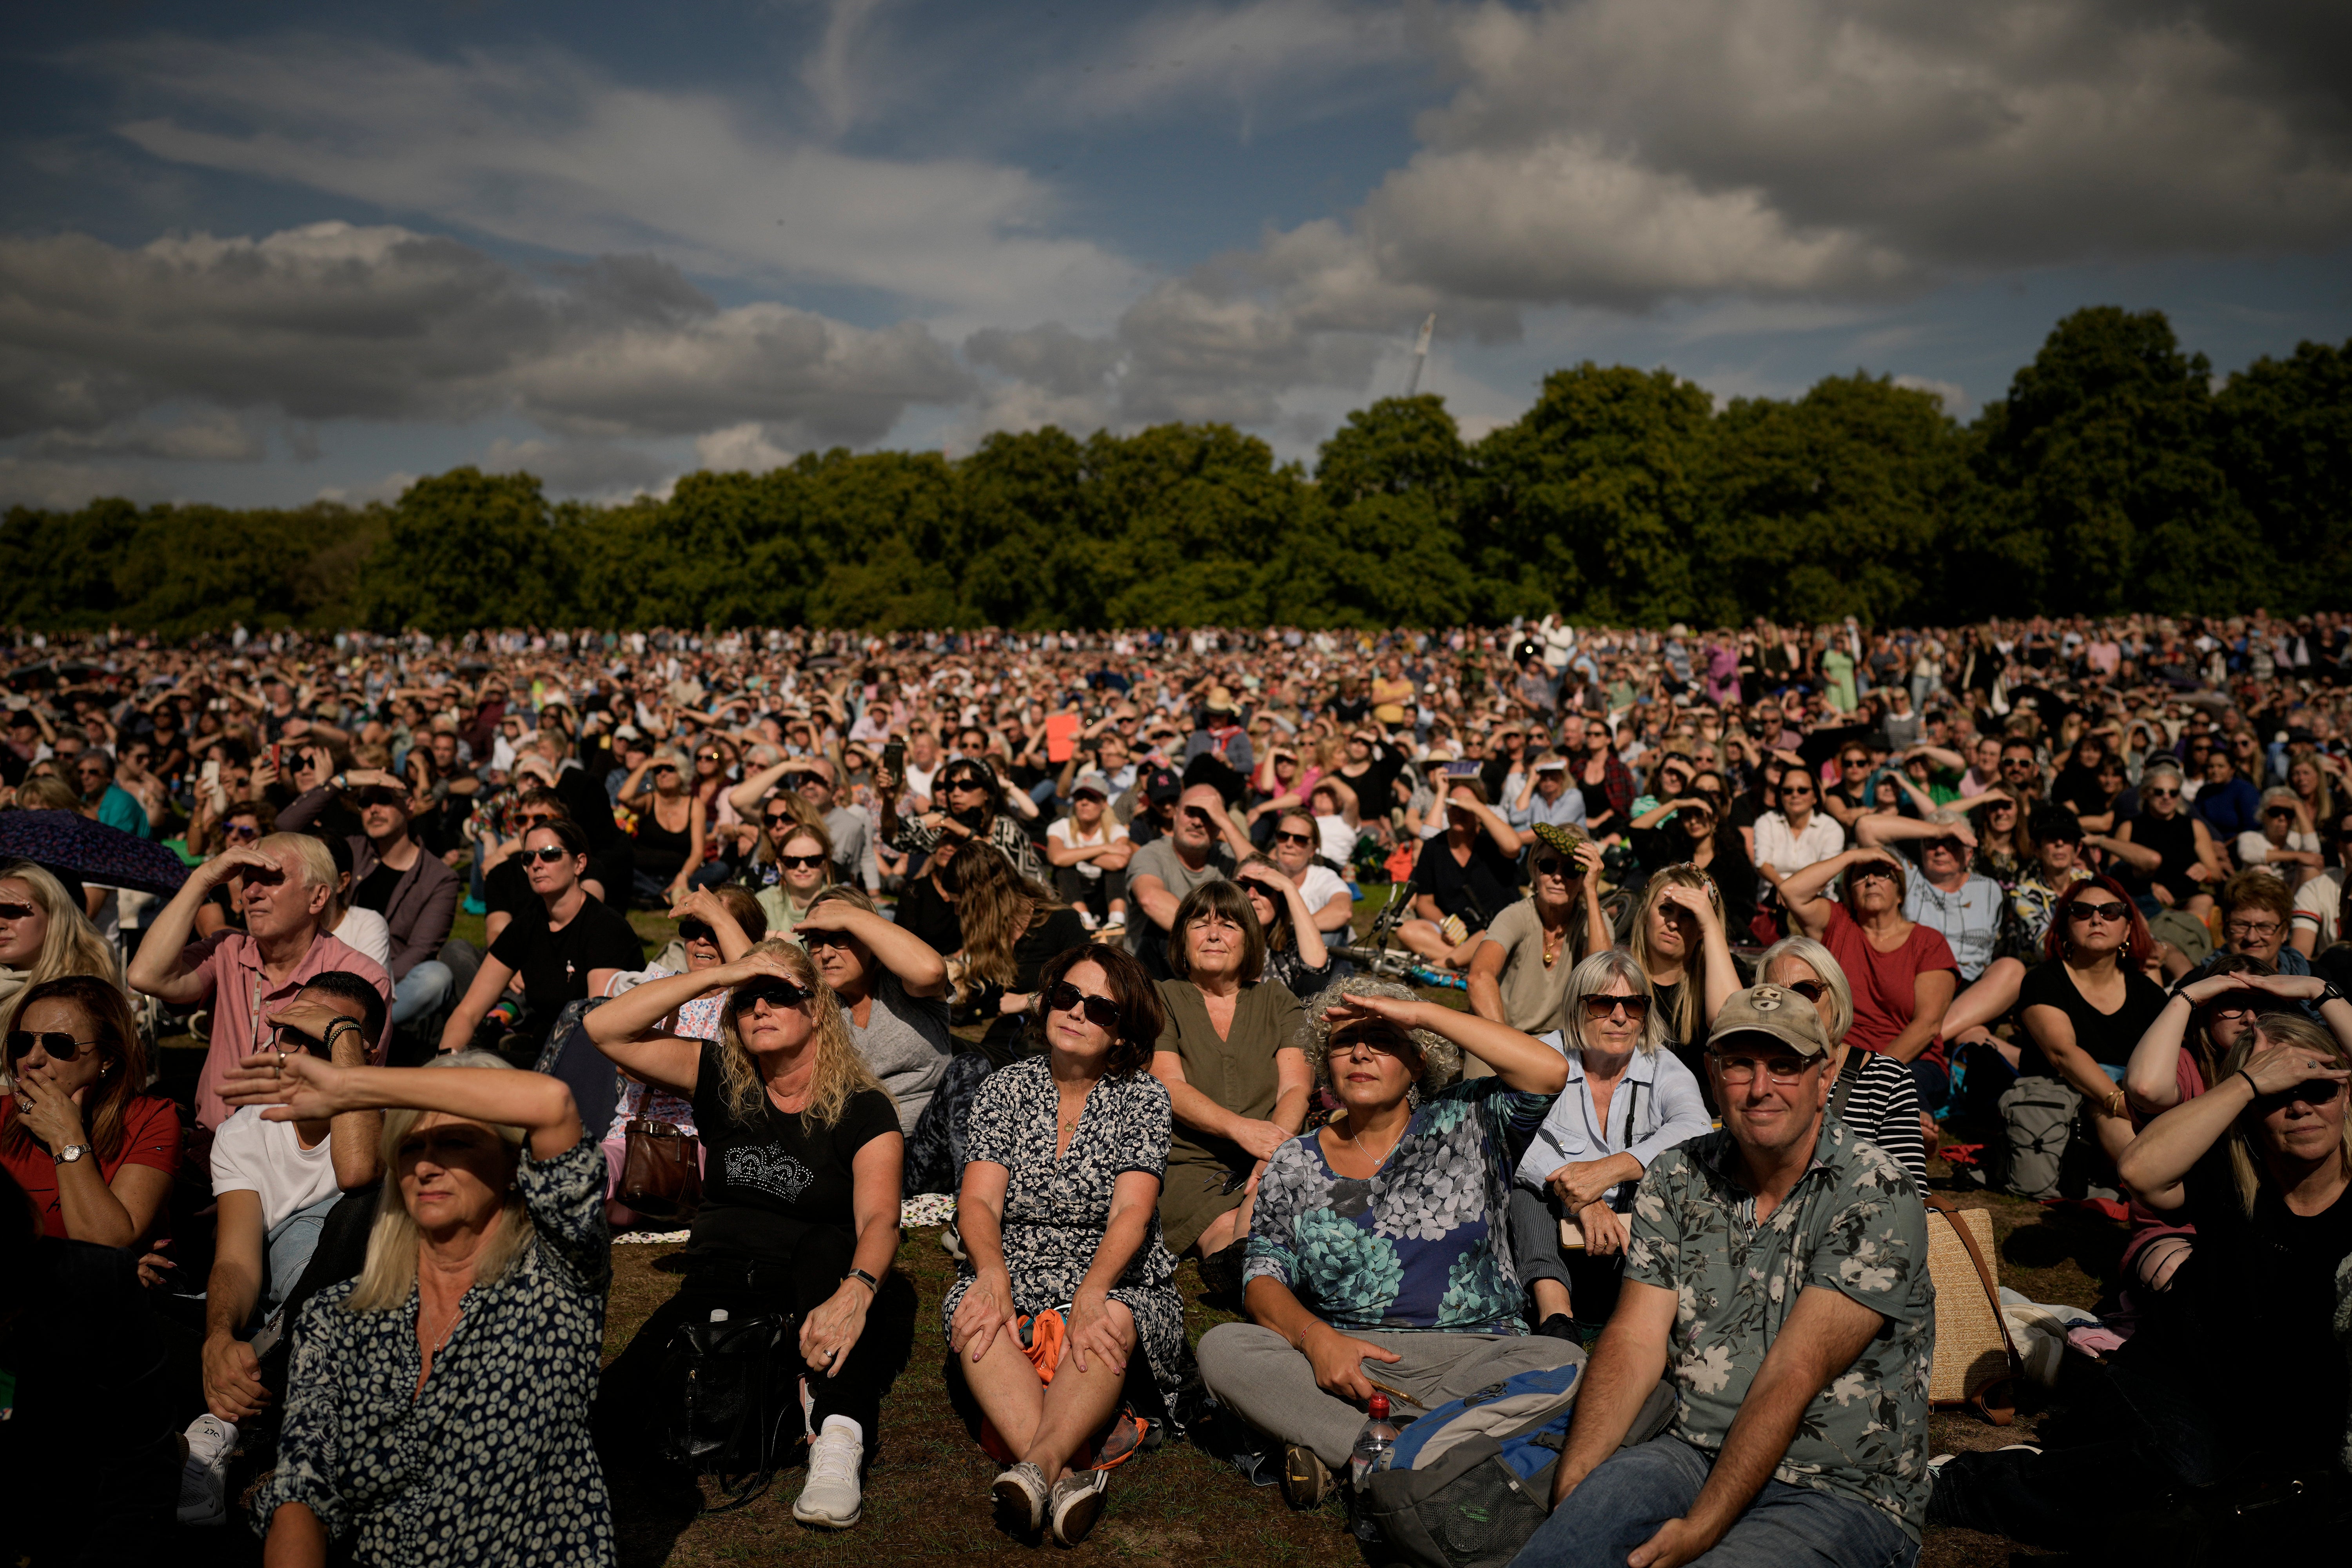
(1785, 1015)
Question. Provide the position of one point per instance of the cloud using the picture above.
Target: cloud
(331, 322)
(1950, 394)
(544, 148)
(1288, 58)
(208, 436)
(739, 448)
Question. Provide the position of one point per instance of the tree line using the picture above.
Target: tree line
(2114, 476)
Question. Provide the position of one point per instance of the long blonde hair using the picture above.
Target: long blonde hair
(840, 1071)
(996, 906)
(71, 946)
(1689, 996)
(2276, 1029)
(390, 1274)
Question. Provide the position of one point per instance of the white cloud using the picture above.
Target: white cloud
(744, 448)
(207, 436)
(1282, 58)
(332, 321)
(544, 148)
(1950, 394)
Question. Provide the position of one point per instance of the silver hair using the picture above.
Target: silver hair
(1441, 1059)
(1594, 976)
(1836, 1008)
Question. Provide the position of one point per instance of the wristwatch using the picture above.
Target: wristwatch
(69, 1153)
(870, 1282)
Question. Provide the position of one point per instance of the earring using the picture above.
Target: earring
(1412, 1098)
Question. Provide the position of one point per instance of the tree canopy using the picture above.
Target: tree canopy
(2115, 474)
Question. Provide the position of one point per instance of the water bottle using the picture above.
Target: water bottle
(1375, 1444)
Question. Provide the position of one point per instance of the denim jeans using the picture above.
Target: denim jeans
(285, 1250)
(421, 992)
(1622, 1504)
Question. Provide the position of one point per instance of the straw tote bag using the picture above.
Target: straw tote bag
(1976, 1363)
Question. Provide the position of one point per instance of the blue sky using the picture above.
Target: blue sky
(261, 252)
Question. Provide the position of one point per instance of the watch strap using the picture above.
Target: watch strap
(868, 1281)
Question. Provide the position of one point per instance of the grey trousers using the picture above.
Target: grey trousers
(1591, 1282)
(1255, 1372)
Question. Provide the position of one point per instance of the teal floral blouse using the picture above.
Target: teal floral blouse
(1422, 1244)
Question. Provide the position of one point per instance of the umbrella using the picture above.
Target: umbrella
(71, 843)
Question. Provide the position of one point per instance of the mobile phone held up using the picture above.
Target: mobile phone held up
(894, 758)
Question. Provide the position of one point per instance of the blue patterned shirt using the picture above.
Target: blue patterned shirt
(1423, 1244)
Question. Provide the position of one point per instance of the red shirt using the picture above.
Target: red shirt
(1885, 985)
(151, 1136)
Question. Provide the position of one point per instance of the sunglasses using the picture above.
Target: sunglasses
(2162, 794)
(778, 819)
(1779, 1069)
(966, 784)
(1864, 873)
(1282, 838)
(241, 831)
(661, 768)
(800, 862)
(692, 930)
(816, 938)
(1796, 791)
(2081, 910)
(60, 1046)
(777, 993)
(16, 911)
(540, 819)
(1811, 990)
(2236, 1005)
(2317, 1091)
(547, 855)
(707, 757)
(1599, 1008)
(1553, 866)
(377, 795)
(1100, 1011)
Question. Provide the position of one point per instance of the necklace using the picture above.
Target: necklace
(1357, 1141)
(1554, 944)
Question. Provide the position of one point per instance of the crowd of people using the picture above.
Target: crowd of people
(1067, 927)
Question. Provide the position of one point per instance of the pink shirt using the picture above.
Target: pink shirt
(242, 999)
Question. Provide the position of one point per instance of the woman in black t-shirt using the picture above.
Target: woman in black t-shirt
(2241, 1378)
(2088, 1007)
(800, 1204)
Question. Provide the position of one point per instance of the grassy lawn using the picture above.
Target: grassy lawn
(926, 1495)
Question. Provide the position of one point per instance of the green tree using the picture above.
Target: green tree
(1385, 548)
(2105, 493)
(1832, 505)
(1592, 501)
(2283, 435)
(468, 548)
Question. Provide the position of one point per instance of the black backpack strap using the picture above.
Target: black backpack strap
(1849, 1074)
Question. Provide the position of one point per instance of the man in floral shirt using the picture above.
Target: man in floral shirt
(1778, 1274)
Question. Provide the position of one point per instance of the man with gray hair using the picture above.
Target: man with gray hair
(1777, 1275)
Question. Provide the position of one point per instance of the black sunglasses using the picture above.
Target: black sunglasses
(2312, 1092)
(60, 1046)
(1599, 1008)
(970, 784)
(1282, 838)
(377, 795)
(1101, 1010)
(1811, 990)
(776, 992)
(815, 939)
(800, 862)
(693, 930)
(777, 819)
(1553, 866)
(2081, 910)
(16, 912)
(547, 854)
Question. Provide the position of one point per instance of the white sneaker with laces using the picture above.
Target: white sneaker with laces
(1021, 1496)
(830, 1498)
(204, 1479)
(1077, 1502)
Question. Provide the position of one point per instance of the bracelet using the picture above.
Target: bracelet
(864, 1279)
(2252, 1087)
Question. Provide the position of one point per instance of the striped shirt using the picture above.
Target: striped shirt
(1883, 1108)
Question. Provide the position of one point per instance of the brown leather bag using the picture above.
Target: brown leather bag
(661, 1171)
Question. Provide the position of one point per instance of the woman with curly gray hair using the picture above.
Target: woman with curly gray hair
(1379, 1246)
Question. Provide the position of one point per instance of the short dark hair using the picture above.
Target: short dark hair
(1142, 1017)
(354, 987)
(1229, 901)
(567, 832)
(2055, 824)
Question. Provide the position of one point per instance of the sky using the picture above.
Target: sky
(259, 254)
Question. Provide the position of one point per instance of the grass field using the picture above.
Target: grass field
(926, 1495)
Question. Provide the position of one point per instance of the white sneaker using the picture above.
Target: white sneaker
(830, 1499)
(1085, 917)
(1077, 1503)
(204, 1479)
(1021, 1497)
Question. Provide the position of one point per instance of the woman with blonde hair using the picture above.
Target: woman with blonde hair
(43, 935)
(1873, 1094)
(1626, 1102)
(800, 1197)
(2236, 1374)
(1680, 940)
(438, 1405)
(800, 862)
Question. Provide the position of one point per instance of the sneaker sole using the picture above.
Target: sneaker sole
(825, 1520)
(1016, 1506)
(1072, 1525)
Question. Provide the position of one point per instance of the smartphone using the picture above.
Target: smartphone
(894, 758)
(210, 776)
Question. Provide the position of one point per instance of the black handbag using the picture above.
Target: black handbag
(731, 1394)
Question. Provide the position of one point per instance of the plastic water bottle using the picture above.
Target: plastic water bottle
(1375, 1444)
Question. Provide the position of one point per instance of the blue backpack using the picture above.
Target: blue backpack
(1471, 1480)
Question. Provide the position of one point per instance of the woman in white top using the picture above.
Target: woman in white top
(1090, 851)
(1626, 1102)
(1878, 1097)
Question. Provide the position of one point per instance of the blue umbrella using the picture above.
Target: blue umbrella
(73, 843)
